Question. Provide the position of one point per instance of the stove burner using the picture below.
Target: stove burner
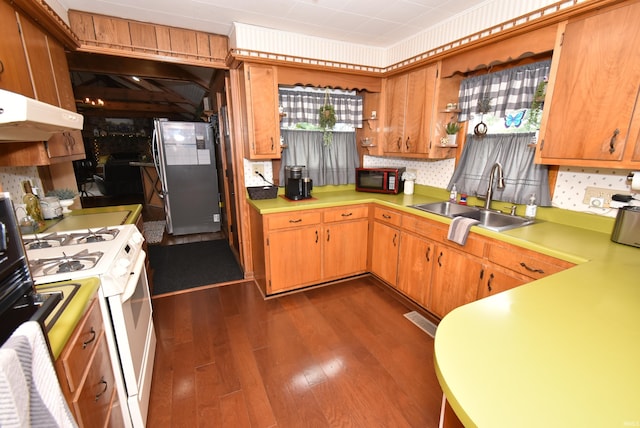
(47, 241)
(70, 266)
(95, 238)
(100, 235)
(39, 244)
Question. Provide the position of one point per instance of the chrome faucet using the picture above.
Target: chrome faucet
(496, 167)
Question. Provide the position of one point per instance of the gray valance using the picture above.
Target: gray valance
(325, 164)
(301, 106)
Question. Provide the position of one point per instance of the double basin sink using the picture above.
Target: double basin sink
(492, 220)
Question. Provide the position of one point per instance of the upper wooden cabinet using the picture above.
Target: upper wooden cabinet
(411, 117)
(592, 117)
(14, 70)
(263, 120)
(36, 66)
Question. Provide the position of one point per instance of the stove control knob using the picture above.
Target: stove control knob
(121, 267)
(137, 238)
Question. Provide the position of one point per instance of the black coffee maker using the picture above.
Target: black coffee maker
(297, 185)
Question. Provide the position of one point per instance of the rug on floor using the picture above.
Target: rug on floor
(422, 323)
(153, 231)
(184, 266)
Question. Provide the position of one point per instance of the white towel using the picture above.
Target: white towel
(30, 395)
(459, 229)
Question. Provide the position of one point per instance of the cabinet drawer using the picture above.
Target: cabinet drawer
(77, 354)
(439, 231)
(293, 219)
(346, 213)
(388, 216)
(529, 263)
(94, 400)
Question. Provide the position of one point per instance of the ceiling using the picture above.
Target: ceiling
(176, 91)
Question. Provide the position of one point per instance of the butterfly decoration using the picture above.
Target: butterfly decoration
(514, 120)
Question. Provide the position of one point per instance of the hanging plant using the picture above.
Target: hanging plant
(484, 106)
(327, 116)
(535, 110)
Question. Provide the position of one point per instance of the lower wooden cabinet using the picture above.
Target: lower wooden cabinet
(415, 266)
(85, 374)
(307, 247)
(385, 244)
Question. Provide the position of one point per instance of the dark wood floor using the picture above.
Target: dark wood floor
(337, 356)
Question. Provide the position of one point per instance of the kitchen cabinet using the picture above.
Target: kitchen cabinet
(592, 116)
(409, 101)
(385, 242)
(260, 85)
(14, 70)
(312, 246)
(43, 71)
(85, 374)
(345, 233)
(415, 265)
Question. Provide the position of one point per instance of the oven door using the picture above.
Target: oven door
(135, 338)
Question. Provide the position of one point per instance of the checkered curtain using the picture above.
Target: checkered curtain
(509, 89)
(300, 106)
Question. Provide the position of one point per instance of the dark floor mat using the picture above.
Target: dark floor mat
(184, 266)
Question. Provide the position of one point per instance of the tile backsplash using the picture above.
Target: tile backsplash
(11, 178)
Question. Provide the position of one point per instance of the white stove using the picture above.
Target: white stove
(107, 253)
(114, 255)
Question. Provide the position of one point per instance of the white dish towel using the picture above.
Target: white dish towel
(30, 395)
(459, 229)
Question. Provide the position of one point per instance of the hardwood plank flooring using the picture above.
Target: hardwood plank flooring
(336, 356)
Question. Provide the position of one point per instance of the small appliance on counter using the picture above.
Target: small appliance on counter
(380, 180)
(297, 184)
(626, 229)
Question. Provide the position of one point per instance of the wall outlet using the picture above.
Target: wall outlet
(600, 197)
(258, 168)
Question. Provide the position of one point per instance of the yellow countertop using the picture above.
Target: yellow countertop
(90, 218)
(562, 351)
(69, 318)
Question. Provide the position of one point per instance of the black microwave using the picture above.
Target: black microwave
(380, 180)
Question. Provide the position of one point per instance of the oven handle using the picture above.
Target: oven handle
(132, 284)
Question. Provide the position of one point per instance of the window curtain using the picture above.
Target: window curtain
(325, 164)
(300, 106)
(509, 89)
(522, 177)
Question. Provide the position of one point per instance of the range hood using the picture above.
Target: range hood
(25, 119)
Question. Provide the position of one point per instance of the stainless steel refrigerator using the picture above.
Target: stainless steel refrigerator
(184, 155)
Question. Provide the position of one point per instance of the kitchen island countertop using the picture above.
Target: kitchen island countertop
(557, 352)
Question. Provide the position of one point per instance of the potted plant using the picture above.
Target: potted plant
(327, 119)
(451, 130)
(66, 197)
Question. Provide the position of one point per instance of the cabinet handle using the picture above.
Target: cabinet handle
(428, 254)
(489, 283)
(612, 142)
(347, 214)
(1, 67)
(295, 221)
(399, 142)
(104, 389)
(440, 258)
(386, 216)
(93, 337)
(328, 235)
(317, 237)
(406, 143)
(530, 269)
(395, 237)
(272, 144)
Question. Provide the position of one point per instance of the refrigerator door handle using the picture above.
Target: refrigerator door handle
(156, 161)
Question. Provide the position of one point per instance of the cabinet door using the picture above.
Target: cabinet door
(66, 144)
(294, 258)
(496, 280)
(419, 109)
(384, 252)
(455, 280)
(264, 121)
(595, 90)
(345, 250)
(395, 104)
(36, 46)
(415, 264)
(14, 71)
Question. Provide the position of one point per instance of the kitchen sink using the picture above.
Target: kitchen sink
(488, 219)
(446, 209)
